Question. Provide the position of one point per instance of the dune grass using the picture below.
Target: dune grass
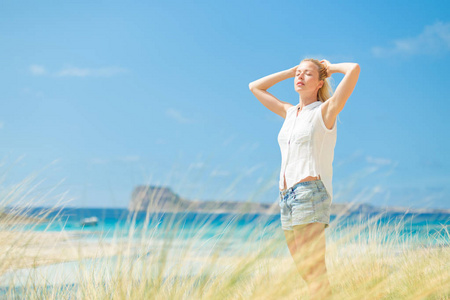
(366, 260)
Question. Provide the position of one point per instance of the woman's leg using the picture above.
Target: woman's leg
(310, 258)
(289, 234)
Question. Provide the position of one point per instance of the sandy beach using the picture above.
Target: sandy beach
(27, 249)
(63, 258)
(177, 267)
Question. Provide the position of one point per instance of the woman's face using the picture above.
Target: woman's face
(307, 77)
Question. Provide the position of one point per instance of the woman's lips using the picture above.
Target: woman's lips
(300, 83)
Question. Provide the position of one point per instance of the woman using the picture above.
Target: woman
(307, 140)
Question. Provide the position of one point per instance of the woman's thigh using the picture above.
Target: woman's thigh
(290, 239)
(310, 237)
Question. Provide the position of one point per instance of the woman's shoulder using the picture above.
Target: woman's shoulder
(290, 107)
(321, 117)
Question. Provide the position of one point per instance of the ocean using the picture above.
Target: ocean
(415, 229)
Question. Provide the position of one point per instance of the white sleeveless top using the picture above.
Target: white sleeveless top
(307, 146)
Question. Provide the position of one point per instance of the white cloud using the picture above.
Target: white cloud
(248, 147)
(176, 115)
(88, 72)
(219, 173)
(378, 161)
(433, 39)
(130, 158)
(37, 70)
(198, 165)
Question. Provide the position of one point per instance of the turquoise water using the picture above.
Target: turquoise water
(424, 229)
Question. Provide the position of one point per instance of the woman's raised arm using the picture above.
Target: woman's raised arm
(259, 89)
(345, 88)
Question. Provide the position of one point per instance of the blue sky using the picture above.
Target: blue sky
(100, 96)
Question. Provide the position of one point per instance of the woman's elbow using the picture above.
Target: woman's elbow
(252, 86)
(356, 67)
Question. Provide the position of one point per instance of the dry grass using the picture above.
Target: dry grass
(152, 267)
(365, 261)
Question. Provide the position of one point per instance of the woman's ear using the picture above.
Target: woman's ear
(321, 84)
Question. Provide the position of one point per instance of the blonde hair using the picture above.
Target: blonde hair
(325, 92)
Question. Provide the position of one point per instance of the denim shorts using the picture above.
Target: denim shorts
(305, 202)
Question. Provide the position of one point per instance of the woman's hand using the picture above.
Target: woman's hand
(293, 70)
(327, 65)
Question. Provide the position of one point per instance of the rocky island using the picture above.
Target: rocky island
(163, 199)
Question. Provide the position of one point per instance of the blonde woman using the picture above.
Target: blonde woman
(307, 140)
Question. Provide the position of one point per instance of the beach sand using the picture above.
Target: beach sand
(26, 249)
(30, 259)
(62, 258)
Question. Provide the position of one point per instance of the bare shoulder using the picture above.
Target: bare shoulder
(329, 114)
(286, 107)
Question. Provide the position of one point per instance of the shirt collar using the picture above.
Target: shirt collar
(311, 105)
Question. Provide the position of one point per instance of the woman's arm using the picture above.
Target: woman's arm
(259, 89)
(344, 89)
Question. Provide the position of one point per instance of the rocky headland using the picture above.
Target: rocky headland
(163, 199)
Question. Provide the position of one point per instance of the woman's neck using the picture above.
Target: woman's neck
(305, 102)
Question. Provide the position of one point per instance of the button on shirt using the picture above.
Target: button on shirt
(307, 146)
